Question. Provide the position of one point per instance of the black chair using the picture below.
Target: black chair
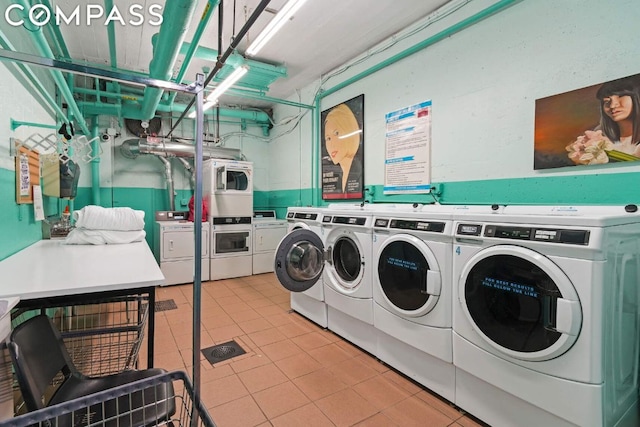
(39, 356)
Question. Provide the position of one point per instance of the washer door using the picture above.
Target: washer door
(520, 302)
(408, 274)
(299, 260)
(345, 268)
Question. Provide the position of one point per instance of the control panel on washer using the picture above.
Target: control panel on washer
(551, 235)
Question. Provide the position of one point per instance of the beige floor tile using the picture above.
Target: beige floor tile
(251, 362)
(223, 390)
(298, 365)
(279, 319)
(381, 392)
(262, 377)
(311, 340)
(280, 399)
(268, 336)
(281, 350)
(352, 372)
(216, 321)
(225, 333)
(270, 310)
(319, 384)
(229, 300)
(378, 420)
(259, 302)
(214, 372)
(415, 412)
(308, 416)
(243, 316)
(236, 308)
(329, 354)
(293, 329)
(402, 381)
(440, 404)
(242, 412)
(255, 325)
(346, 408)
(469, 421)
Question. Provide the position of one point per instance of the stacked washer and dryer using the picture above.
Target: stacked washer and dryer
(546, 315)
(228, 193)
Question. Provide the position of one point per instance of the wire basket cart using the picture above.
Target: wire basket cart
(103, 337)
(133, 400)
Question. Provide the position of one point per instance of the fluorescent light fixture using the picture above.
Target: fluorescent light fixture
(227, 83)
(276, 23)
(205, 107)
(212, 98)
(355, 132)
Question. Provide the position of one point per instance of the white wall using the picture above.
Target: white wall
(483, 82)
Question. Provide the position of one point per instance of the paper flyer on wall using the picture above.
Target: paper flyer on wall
(407, 162)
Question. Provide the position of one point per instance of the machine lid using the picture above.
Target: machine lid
(299, 260)
(520, 302)
(408, 275)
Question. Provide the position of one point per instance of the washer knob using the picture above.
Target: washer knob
(631, 208)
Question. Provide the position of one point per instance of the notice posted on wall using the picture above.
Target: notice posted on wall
(407, 162)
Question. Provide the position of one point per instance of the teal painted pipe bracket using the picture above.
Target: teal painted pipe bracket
(15, 124)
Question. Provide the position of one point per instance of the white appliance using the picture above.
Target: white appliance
(296, 266)
(175, 249)
(231, 252)
(546, 315)
(412, 294)
(346, 275)
(228, 187)
(267, 233)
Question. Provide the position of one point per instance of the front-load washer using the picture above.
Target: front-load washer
(305, 300)
(546, 315)
(412, 294)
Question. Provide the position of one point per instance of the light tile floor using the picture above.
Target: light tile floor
(294, 373)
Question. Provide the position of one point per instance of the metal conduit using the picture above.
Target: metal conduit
(134, 147)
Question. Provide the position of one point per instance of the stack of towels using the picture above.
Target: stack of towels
(95, 225)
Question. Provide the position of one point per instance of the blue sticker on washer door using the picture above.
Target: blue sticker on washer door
(402, 271)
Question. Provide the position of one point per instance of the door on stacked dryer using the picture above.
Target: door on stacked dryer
(299, 261)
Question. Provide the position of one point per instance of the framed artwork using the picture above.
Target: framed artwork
(590, 126)
(342, 150)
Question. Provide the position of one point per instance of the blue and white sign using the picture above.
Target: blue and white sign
(407, 162)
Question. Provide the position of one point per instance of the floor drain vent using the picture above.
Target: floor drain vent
(164, 305)
(223, 351)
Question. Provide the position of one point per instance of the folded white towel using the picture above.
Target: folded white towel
(83, 236)
(99, 218)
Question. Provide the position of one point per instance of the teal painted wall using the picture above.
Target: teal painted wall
(18, 226)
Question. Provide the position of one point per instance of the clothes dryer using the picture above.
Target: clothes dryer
(546, 315)
(298, 274)
(412, 294)
(268, 231)
(231, 247)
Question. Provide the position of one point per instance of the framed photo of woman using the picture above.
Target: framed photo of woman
(594, 125)
(342, 150)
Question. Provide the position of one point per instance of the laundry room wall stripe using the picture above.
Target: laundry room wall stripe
(18, 227)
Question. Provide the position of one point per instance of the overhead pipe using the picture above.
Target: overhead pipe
(56, 34)
(176, 18)
(95, 162)
(190, 169)
(169, 178)
(220, 63)
(135, 147)
(447, 32)
(45, 50)
(188, 55)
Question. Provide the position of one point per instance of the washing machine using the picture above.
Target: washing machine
(295, 267)
(173, 246)
(546, 315)
(412, 294)
(267, 233)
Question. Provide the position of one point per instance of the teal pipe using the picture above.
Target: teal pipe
(15, 124)
(56, 34)
(234, 59)
(449, 31)
(95, 163)
(111, 35)
(44, 49)
(176, 18)
(204, 20)
(132, 111)
(6, 44)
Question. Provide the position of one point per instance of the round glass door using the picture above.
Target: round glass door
(299, 260)
(408, 274)
(521, 302)
(347, 262)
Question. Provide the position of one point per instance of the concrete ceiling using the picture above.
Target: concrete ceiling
(321, 36)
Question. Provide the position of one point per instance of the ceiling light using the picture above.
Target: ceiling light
(227, 83)
(276, 23)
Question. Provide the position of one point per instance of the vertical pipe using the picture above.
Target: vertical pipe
(95, 163)
(197, 224)
(111, 34)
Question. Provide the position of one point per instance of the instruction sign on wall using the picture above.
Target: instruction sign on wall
(407, 162)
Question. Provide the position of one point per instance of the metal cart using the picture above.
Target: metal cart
(85, 411)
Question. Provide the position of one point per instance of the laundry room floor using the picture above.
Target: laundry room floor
(294, 372)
